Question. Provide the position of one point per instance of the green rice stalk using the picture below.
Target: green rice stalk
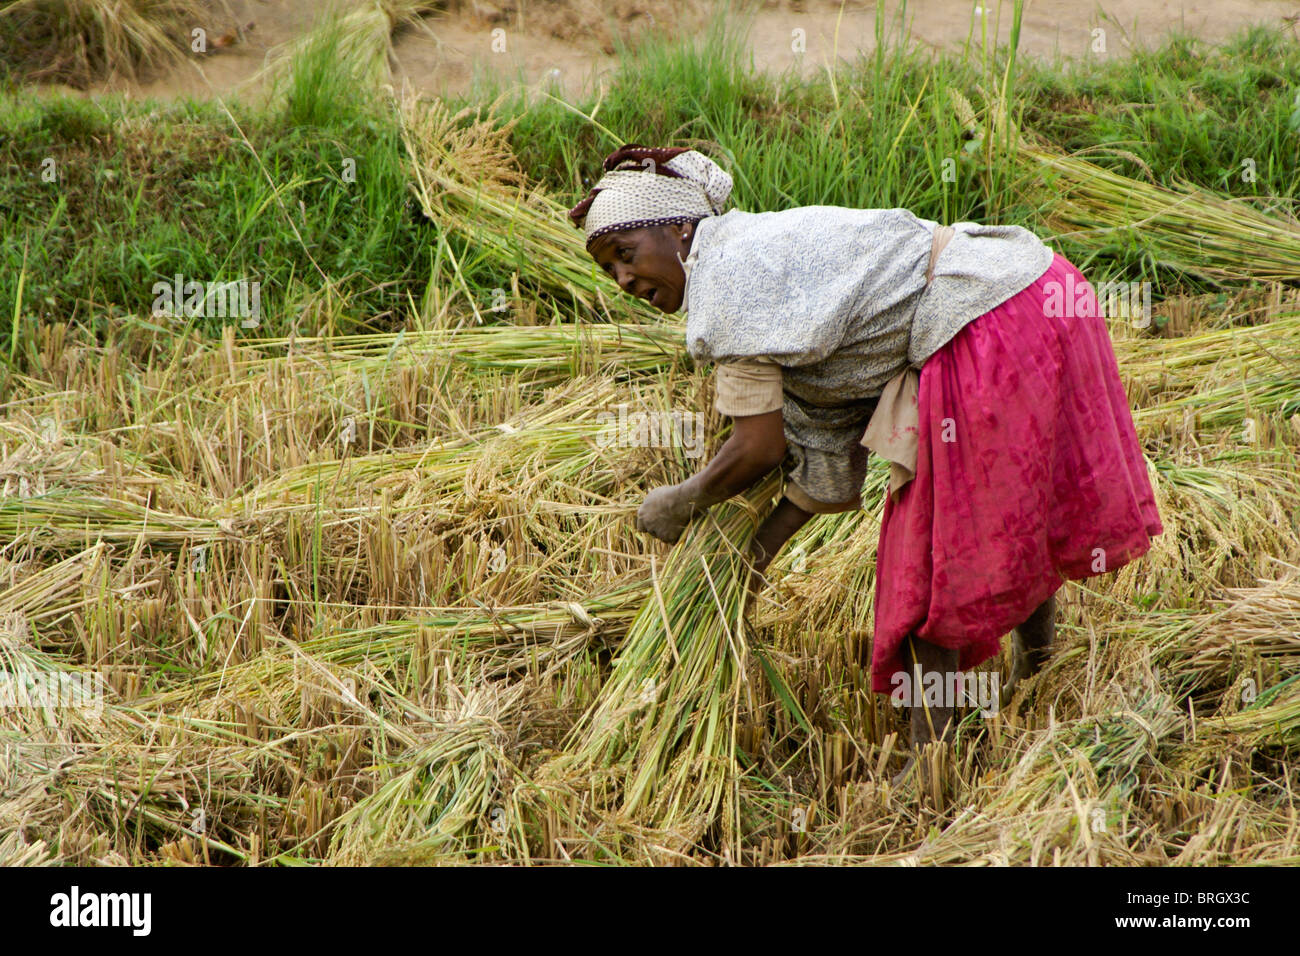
(467, 180)
(1184, 227)
(663, 730)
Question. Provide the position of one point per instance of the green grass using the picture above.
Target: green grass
(1187, 110)
(858, 142)
(260, 192)
(145, 191)
(882, 132)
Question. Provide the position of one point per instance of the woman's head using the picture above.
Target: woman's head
(647, 261)
(640, 217)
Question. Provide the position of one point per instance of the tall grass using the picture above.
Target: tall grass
(193, 193)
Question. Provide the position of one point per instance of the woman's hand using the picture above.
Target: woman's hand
(756, 446)
(665, 512)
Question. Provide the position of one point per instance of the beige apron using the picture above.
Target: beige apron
(892, 431)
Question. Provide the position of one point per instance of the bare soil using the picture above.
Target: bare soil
(570, 42)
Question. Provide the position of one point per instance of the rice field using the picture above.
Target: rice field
(359, 583)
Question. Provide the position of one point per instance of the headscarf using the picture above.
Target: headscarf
(646, 186)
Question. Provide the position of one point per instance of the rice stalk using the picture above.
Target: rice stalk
(78, 41)
(63, 518)
(659, 743)
(539, 355)
(467, 181)
(559, 438)
(1184, 227)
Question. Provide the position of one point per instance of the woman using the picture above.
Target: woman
(950, 351)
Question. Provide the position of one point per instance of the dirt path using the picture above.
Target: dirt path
(556, 40)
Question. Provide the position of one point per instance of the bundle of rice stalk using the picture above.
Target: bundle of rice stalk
(501, 640)
(1265, 619)
(435, 764)
(1184, 227)
(447, 718)
(121, 767)
(39, 595)
(426, 525)
(78, 41)
(541, 355)
(1215, 379)
(1157, 371)
(128, 787)
(1271, 720)
(1212, 650)
(1251, 494)
(37, 456)
(1227, 406)
(1222, 520)
(496, 642)
(64, 518)
(358, 32)
(1060, 783)
(562, 436)
(467, 180)
(1184, 360)
(447, 795)
(658, 747)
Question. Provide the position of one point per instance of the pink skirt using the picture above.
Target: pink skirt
(1028, 473)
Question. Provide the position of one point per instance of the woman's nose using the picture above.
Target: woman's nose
(624, 278)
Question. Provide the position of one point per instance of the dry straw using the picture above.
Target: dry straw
(79, 41)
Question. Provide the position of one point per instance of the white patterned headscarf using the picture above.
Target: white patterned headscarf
(645, 186)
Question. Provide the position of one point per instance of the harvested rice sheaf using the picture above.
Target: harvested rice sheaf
(79, 41)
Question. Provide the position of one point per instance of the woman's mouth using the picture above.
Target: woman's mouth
(651, 296)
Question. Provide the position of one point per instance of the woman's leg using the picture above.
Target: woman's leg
(1031, 644)
(930, 722)
(777, 528)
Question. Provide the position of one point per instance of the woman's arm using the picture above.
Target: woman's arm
(756, 446)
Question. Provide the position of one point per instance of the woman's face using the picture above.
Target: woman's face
(644, 262)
